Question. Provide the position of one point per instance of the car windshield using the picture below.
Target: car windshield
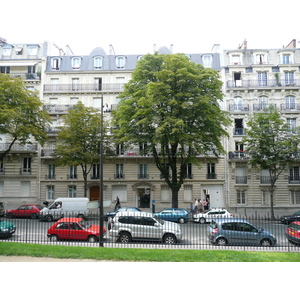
(213, 224)
(159, 220)
(39, 206)
(294, 226)
(297, 213)
(84, 224)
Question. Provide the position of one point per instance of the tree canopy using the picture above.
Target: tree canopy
(271, 144)
(172, 105)
(21, 113)
(78, 141)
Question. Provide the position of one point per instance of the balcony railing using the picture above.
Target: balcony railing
(238, 155)
(18, 147)
(241, 179)
(238, 107)
(26, 76)
(294, 179)
(262, 84)
(84, 87)
(57, 108)
(238, 131)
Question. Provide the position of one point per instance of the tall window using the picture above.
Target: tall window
(238, 103)
(55, 63)
(207, 61)
(26, 168)
(263, 102)
(76, 62)
(241, 197)
(72, 172)
(119, 171)
(96, 171)
(211, 171)
(262, 78)
(292, 124)
(294, 175)
(51, 172)
(295, 196)
(290, 102)
(143, 171)
(241, 175)
(50, 192)
(289, 78)
(72, 191)
(120, 62)
(25, 188)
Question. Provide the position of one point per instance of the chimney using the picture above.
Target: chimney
(111, 50)
(245, 44)
(154, 48)
(171, 48)
(291, 45)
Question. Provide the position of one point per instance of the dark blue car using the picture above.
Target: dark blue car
(179, 215)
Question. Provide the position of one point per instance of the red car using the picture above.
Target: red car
(26, 210)
(74, 229)
(293, 232)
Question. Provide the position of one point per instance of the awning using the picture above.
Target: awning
(17, 64)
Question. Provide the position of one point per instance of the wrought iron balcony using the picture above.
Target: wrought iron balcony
(262, 84)
(18, 147)
(84, 87)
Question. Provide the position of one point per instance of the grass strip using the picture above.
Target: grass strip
(145, 255)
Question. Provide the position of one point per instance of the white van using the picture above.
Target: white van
(65, 207)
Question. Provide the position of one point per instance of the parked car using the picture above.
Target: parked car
(238, 232)
(291, 218)
(127, 226)
(6, 229)
(2, 211)
(293, 232)
(26, 210)
(179, 215)
(213, 213)
(74, 229)
(112, 214)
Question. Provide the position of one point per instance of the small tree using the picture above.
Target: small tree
(171, 104)
(78, 142)
(272, 145)
(21, 114)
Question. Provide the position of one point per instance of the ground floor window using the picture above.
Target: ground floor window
(72, 191)
(265, 197)
(165, 193)
(50, 192)
(241, 197)
(188, 193)
(295, 196)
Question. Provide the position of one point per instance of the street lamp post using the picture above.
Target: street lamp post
(101, 178)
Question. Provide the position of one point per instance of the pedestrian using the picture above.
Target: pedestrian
(191, 207)
(200, 206)
(204, 204)
(118, 204)
(196, 206)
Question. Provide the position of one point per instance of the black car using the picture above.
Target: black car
(111, 215)
(290, 219)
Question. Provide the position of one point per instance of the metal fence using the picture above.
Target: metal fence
(71, 231)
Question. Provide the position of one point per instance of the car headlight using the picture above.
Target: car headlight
(4, 229)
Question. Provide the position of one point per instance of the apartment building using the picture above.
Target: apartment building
(132, 175)
(254, 79)
(20, 171)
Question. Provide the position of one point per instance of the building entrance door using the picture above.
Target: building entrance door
(94, 193)
(143, 197)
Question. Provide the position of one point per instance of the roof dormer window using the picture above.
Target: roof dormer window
(76, 62)
(98, 62)
(55, 63)
(120, 62)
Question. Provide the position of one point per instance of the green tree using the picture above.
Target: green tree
(171, 104)
(272, 145)
(78, 141)
(21, 114)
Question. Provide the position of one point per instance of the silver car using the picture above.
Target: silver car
(238, 232)
(127, 226)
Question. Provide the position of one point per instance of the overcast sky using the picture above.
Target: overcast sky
(132, 26)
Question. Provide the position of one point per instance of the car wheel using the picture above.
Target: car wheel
(34, 216)
(266, 243)
(125, 237)
(92, 239)
(221, 241)
(49, 218)
(181, 221)
(53, 238)
(109, 224)
(169, 239)
(202, 221)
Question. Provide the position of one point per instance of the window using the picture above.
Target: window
(289, 78)
(238, 103)
(1, 168)
(295, 196)
(25, 188)
(96, 171)
(241, 175)
(5, 70)
(98, 62)
(32, 51)
(290, 102)
(188, 171)
(260, 59)
(294, 175)
(75, 84)
(236, 59)
(98, 84)
(262, 78)
(50, 172)
(26, 168)
(263, 102)
(207, 61)
(97, 102)
(265, 177)
(286, 58)
(241, 197)
(165, 193)
(72, 172)
(120, 62)
(6, 51)
(72, 191)
(292, 124)
(211, 171)
(55, 63)
(188, 193)
(238, 127)
(50, 192)
(120, 149)
(119, 171)
(76, 62)
(143, 171)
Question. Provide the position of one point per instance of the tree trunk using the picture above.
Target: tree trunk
(272, 202)
(174, 198)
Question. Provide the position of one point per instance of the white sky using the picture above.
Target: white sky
(132, 26)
